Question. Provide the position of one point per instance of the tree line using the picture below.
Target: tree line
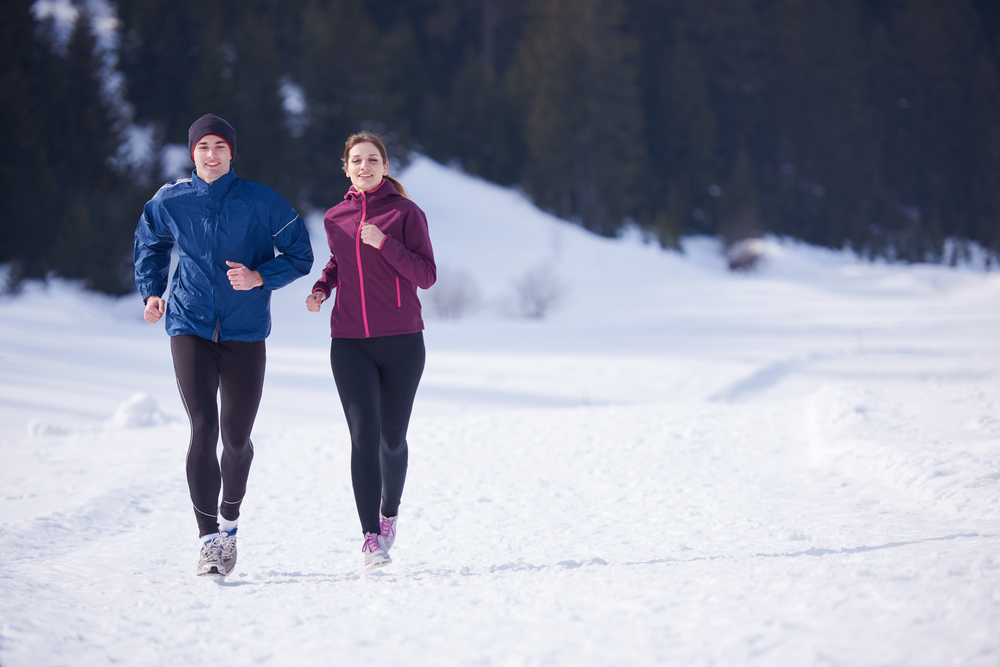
(873, 124)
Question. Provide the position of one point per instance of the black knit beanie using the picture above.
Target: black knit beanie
(211, 124)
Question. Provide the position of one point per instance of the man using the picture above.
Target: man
(225, 230)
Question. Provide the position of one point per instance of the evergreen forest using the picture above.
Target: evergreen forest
(869, 124)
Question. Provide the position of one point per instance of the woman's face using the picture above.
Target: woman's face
(365, 166)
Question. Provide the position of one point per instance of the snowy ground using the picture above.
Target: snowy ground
(678, 466)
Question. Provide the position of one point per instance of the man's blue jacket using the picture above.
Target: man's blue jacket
(230, 219)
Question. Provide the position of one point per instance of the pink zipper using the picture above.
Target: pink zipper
(361, 273)
(399, 301)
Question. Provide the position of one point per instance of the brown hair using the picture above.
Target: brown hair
(375, 139)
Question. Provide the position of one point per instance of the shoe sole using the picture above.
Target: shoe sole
(378, 564)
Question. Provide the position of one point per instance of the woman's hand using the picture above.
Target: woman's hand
(154, 309)
(242, 278)
(372, 235)
(314, 301)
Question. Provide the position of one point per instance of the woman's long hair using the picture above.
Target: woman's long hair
(375, 139)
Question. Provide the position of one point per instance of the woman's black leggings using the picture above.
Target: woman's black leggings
(231, 373)
(377, 380)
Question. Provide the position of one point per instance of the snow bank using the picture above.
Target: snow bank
(140, 411)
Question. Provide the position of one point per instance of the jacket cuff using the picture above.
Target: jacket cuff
(146, 293)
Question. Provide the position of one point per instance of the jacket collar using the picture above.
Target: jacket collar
(218, 186)
(384, 189)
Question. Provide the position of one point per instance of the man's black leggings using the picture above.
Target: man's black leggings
(377, 380)
(233, 372)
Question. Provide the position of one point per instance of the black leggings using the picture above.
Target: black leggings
(233, 371)
(377, 380)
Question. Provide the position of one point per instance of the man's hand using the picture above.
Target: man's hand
(242, 278)
(154, 309)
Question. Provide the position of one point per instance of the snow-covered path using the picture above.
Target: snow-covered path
(796, 468)
(686, 533)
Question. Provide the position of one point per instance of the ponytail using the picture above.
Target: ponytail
(399, 186)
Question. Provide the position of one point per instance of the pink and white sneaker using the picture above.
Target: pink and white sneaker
(387, 527)
(374, 551)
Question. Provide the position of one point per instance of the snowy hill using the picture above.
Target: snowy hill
(675, 465)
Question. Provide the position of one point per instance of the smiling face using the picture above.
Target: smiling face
(365, 166)
(211, 157)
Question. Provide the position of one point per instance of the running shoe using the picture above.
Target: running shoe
(211, 556)
(387, 526)
(228, 551)
(374, 551)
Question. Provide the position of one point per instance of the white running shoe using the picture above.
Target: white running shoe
(211, 556)
(374, 551)
(228, 551)
(387, 527)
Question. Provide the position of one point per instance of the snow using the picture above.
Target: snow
(175, 162)
(677, 465)
(136, 153)
(63, 13)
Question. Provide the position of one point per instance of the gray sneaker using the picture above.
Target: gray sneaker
(387, 526)
(228, 552)
(374, 551)
(211, 557)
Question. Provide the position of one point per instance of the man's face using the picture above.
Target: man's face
(211, 157)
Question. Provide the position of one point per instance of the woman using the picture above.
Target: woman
(380, 252)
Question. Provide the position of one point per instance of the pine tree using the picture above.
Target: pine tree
(185, 59)
(92, 238)
(682, 138)
(576, 73)
(339, 85)
(62, 201)
(160, 56)
(27, 185)
(476, 120)
(825, 148)
(735, 42)
(934, 146)
(984, 189)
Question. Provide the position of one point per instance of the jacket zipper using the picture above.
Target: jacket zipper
(361, 273)
(399, 301)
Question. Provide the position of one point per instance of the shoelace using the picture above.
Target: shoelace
(213, 548)
(371, 544)
(228, 546)
(387, 526)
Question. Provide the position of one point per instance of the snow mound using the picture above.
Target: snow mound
(39, 428)
(956, 472)
(140, 411)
